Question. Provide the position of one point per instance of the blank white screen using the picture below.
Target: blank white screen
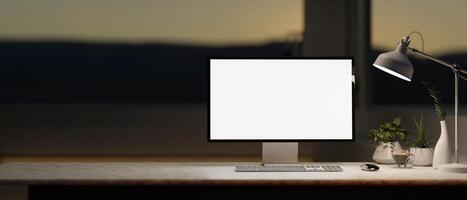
(281, 99)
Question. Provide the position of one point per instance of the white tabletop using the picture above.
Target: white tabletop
(148, 173)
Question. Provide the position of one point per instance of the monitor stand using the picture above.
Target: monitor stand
(280, 153)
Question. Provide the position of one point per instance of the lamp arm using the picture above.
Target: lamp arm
(417, 52)
(455, 67)
(462, 76)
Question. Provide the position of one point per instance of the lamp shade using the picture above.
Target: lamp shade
(395, 63)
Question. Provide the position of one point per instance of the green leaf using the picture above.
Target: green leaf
(397, 121)
(436, 97)
(389, 131)
(420, 140)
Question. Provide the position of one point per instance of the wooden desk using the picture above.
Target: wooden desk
(181, 177)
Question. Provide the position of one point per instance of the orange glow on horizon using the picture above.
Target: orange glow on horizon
(182, 21)
(442, 24)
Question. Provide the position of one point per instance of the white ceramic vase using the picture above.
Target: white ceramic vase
(422, 156)
(442, 152)
(383, 152)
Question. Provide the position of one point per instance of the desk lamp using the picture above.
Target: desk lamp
(397, 64)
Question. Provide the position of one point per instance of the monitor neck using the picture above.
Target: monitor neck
(280, 152)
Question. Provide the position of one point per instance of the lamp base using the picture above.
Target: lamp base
(454, 167)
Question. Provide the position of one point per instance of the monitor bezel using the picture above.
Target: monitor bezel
(277, 140)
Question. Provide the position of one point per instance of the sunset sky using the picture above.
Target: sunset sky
(192, 21)
(442, 22)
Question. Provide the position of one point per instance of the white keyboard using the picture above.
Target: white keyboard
(288, 168)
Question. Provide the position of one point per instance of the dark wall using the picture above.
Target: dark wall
(110, 130)
(67, 72)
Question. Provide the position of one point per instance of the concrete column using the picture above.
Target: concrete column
(341, 28)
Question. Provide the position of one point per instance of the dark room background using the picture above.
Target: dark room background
(121, 77)
(119, 51)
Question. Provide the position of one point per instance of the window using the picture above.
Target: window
(444, 32)
(75, 51)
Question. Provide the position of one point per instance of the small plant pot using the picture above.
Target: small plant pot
(383, 153)
(422, 156)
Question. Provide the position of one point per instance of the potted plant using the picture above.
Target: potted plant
(421, 150)
(442, 152)
(387, 136)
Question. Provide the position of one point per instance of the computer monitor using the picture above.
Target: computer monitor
(280, 100)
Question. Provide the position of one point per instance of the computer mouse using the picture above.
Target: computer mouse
(369, 167)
